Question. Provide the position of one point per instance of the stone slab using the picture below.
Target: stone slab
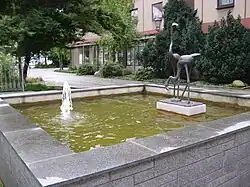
(94, 162)
(6, 109)
(35, 144)
(181, 107)
(14, 121)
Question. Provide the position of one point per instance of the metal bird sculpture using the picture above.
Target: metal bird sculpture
(185, 61)
(173, 57)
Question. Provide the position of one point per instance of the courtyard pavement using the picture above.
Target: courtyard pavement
(57, 79)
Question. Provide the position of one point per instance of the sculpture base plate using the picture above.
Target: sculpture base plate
(181, 107)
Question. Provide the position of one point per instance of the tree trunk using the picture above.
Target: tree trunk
(45, 60)
(26, 66)
(20, 68)
(125, 58)
(60, 59)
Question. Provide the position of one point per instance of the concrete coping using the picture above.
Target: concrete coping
(54, 164)
(215, 91)
(52, 92)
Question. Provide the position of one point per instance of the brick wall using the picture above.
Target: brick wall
(224, 162)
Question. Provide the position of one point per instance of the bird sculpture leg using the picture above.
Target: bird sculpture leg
(188, 83)
(188, 73)
(174, 76)
(178, 88)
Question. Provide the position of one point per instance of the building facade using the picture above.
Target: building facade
(211, 10)
(148, 12)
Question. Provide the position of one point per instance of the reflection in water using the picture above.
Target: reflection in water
(111, 120)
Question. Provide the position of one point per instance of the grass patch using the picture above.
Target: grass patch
(40, 87)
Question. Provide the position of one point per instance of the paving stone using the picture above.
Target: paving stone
(220, 148)
(123, 182)
(144, 175)
(131, 170)
(159, 181)
(200, 169)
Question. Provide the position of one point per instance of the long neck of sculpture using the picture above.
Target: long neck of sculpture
(171, 44)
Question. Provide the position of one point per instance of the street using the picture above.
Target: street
(55, 78)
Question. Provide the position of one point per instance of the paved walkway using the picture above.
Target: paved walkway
(57, 79)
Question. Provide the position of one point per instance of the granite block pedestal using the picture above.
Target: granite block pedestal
(181, 107)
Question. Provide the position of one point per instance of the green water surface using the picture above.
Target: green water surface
(111, 120)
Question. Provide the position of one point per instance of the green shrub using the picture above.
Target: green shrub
(38, 87)
(144, 74)
(72, 68)
(112, 70)
(85, 69)
(227, 53)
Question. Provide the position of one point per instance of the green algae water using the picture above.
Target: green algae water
(111, 120)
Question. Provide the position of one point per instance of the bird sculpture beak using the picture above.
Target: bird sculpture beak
(175, 24)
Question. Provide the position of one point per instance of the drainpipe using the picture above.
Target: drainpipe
(202, 5)
(245, 11)
(143, 21)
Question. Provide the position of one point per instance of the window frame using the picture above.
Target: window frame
(152, 5)
(219, 6)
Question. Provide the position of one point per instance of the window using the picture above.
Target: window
(157, 9)
(225, 4)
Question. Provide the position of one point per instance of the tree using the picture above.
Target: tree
(227, 52)
(48, 24)
(59, 56)
(121, 33)
(190, 38)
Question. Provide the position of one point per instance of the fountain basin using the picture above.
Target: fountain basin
(31, 157)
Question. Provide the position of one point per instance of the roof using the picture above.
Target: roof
(89, 41)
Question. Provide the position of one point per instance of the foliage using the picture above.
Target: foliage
(8, 71)
(122, 33)
(60, 56)
(72, 68)
(190, 38)
(144, 74)
(85, 69)
(39, 87)
(147, 56)
(112, 70)
(227, 52)
(31, 27)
